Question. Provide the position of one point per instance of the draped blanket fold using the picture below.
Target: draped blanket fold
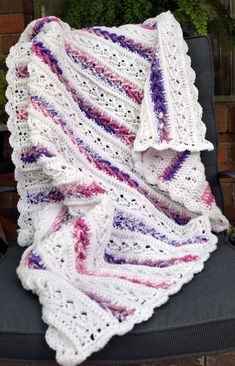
(115, 209)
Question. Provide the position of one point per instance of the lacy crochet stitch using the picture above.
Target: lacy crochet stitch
(114, 205)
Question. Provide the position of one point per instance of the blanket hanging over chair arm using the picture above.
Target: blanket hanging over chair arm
(115, 209)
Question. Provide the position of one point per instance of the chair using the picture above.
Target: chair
(6, 166)
(199, 320)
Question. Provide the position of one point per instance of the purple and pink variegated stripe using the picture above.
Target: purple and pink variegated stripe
(111, 126)
(62, 217)
(32, 154)
(46, 55)
(80, 233)
(34, 261)
(176, 163)
(86, 190)
(57, 195)
(47, 196)
(148, 26)
(122, 221)
(104, 72)
(152, 263)
(158, 96)
(120, 312)
(40, 24)
(22, 114)
(123, 41)
(207, 197)
(21, 72)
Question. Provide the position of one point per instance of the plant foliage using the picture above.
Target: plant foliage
(3, 85)
(195, 15)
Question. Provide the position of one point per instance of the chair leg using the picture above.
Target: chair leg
(3, 241)
(8, 227)
(2, 234)
(8, 231)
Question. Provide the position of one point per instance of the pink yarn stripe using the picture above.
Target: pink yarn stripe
(62, 217)
(120, 312)
(22, 114)
(164, 285)
(207, 197)
(148, 26)
(80, 233)
(57, 121)
(21, 72)
(85, 189)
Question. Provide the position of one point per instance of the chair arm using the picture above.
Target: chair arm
(6, 166)
(227, 174)
(7, 189)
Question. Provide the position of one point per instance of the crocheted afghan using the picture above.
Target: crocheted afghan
(114, 205)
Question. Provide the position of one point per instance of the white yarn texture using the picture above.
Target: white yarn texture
(114, 205)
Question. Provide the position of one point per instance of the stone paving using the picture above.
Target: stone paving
(224, 359)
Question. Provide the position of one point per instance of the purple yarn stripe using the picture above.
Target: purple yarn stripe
(46, 55)
(123, 41)
(34, 153)
(175, 165)
(124, 222)
(96, 119)
(159, 100)
(40, 23)
(41, 102)
(152, 26)
(120, 312)
(109, 126)
(35, 261)
(41, 197)
(87, 66)
(152, 263)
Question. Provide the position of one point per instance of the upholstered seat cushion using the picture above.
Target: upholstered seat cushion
(201, 317)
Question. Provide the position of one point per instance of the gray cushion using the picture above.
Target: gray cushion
(202, 63)
(199, 319)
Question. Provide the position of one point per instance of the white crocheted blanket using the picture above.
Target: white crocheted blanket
(114, 205)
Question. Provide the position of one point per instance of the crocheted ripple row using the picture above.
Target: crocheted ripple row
(114, 205)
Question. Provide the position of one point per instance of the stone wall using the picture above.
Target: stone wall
(14, 16)
(225, 116)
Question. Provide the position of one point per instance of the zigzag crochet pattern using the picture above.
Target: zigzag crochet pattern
(115, 209)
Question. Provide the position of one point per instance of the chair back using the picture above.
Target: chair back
(202, 62)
